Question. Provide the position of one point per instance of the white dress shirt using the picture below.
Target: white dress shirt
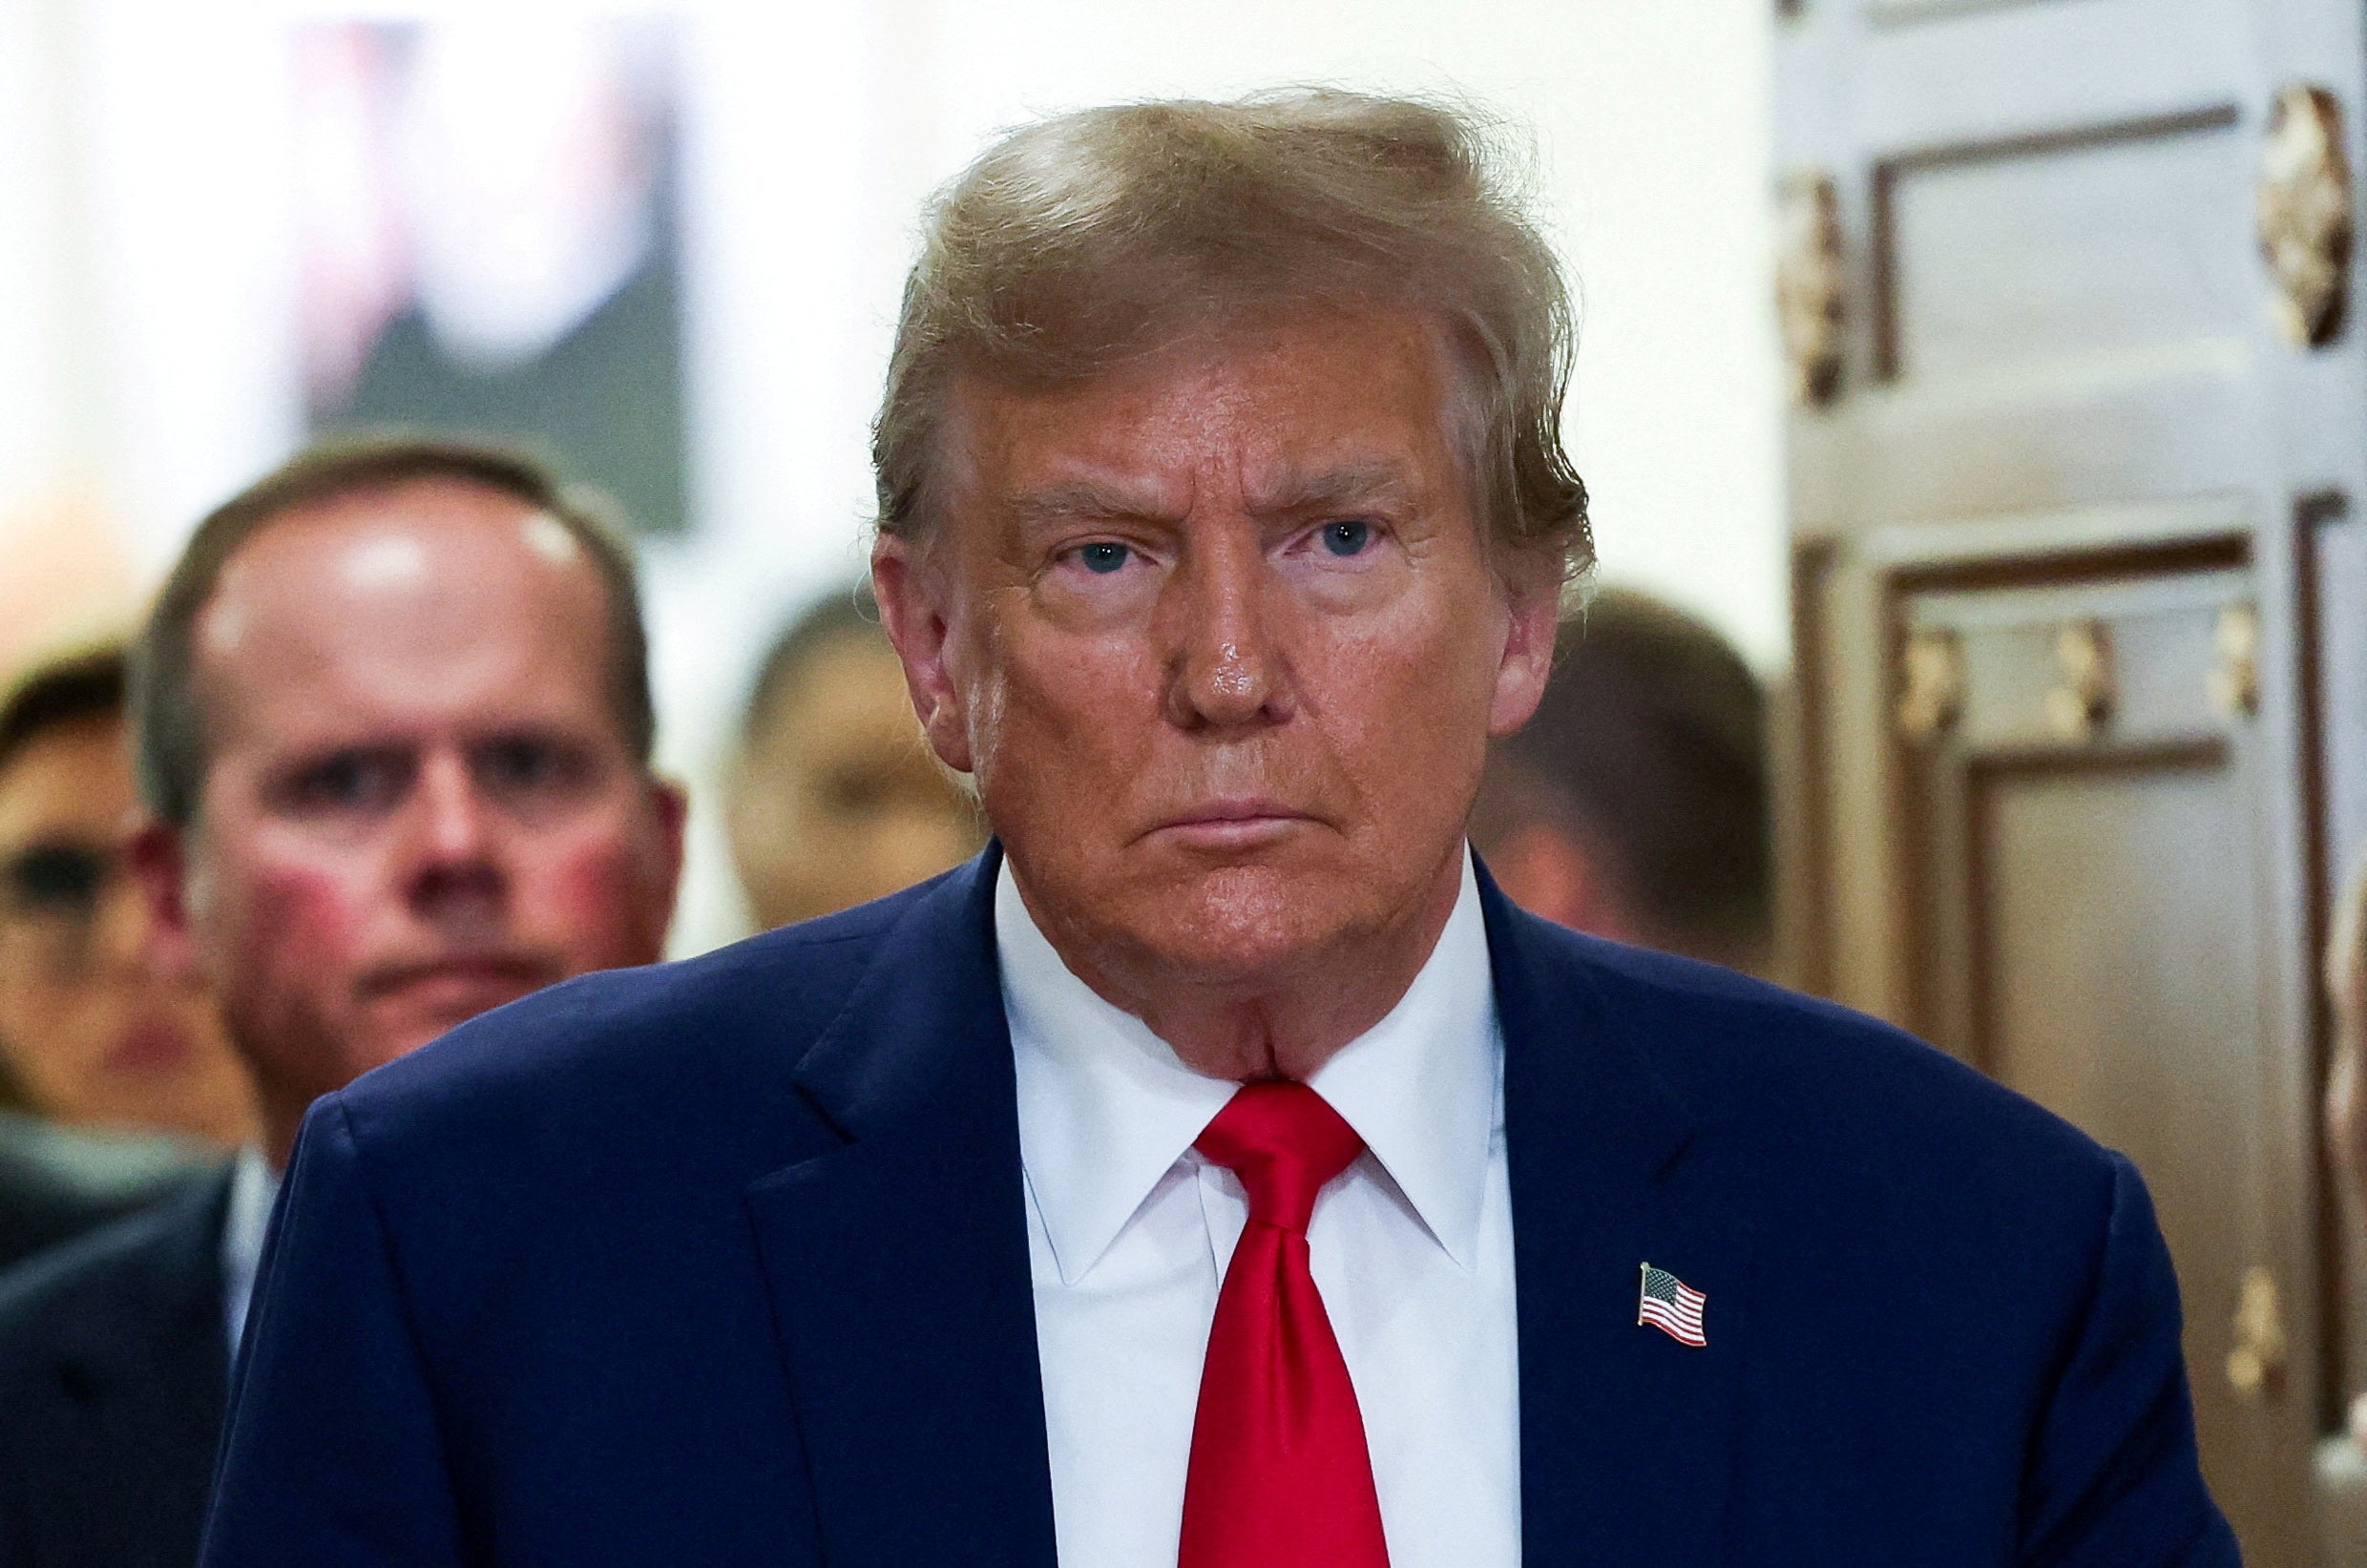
(252, 1188)
(1130, 1230)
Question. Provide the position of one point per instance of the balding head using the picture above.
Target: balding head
(419, 797)
(396, 601)
(170, 721)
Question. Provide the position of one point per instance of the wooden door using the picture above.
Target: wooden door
(2084, 813)
(2066, 447)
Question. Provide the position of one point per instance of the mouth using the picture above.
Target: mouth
(1242, 822)
(461, 986)
(151, 1046)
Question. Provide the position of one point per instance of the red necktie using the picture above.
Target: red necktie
(1280, 1476)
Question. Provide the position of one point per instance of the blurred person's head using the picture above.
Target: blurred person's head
(1634, 803)
(393, 717)
(1224, 516)
(90, 1035)
(833, 798)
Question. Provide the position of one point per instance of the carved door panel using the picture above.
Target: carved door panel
(2064, 287)
(2084, 814)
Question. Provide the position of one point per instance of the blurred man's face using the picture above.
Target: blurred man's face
(835, 800)
(1219, 637)
(91, 1035)
(419, 803)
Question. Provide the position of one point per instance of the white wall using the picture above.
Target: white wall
(813, 131)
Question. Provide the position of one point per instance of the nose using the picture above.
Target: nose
(119, 929)
(1225, 667)
(455, 877)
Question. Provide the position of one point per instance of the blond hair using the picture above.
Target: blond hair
(1088, 239)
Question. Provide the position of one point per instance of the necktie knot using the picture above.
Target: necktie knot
(1285, 1143)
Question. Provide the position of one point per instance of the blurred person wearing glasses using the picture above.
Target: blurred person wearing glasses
(1634, 805)
(833, 796)
(90, 1039)
(90, 1036)
(393, 726)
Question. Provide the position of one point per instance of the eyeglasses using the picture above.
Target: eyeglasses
(50, 894)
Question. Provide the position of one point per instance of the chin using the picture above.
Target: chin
(1239, 922)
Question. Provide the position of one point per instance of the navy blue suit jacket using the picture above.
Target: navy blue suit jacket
(725, 1262)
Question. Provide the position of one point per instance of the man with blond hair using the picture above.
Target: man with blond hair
(1218, 1171)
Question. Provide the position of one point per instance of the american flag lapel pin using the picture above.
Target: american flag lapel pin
(1671, 1305)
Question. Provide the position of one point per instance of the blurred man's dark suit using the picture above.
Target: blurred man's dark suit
(114, 1364)
(752, 1285)
(55, 1184)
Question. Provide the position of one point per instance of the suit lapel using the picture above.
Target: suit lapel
(1627, 1437)
(898, 1260)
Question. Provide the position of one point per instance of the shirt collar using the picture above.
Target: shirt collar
(252, 1188)
(1106, 1108)
(1423, 1086)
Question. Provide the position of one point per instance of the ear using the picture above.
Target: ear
(160, 864)
(669, 804)
(1535, 615)
(669, 811)
(911, 591)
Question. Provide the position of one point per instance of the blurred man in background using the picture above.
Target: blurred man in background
(834, 798)
(90, 1039)
(394, 726)
(1635, 804)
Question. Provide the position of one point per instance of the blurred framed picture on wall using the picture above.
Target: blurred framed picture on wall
(488, 241)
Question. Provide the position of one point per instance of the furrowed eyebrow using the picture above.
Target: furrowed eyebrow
(1082, 501)
(1377, 484)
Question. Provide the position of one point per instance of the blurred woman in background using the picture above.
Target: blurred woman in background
(88, 1037)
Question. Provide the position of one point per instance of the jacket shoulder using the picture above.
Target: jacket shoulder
(108, 1283)
(55, 1185)
(1795, 1072)
(653, 1029)
(675, 1067)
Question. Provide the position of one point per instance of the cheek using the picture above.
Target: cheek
(25, 1000)
(591, 898)
(43, 1022)
(1410, 698)
(1415, 674)
(1064, 713)
(287, 918)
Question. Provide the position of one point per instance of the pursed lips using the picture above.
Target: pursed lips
(512, 973)
(1237, 824)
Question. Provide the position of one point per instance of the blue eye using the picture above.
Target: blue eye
(1347, 538)
(1103, 559)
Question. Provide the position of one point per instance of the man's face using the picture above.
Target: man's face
(1219, 637)
(92, 1035)
(835, 801)
(418, 804)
